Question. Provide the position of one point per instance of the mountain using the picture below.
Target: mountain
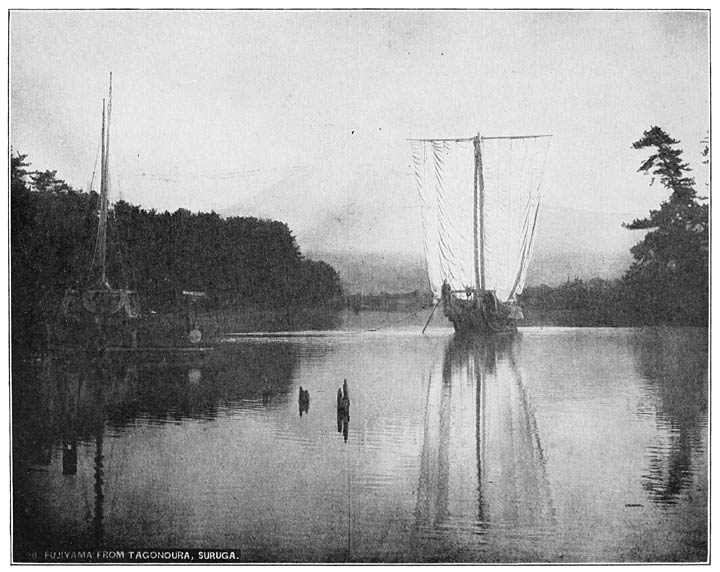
(372, 273)
(332, 210)
(366, 223)
(564, 230)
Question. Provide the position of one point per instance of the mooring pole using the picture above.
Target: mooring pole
(431, 314)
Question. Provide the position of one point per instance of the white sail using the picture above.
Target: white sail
(511, 173)
(445, 173)
(496, 194)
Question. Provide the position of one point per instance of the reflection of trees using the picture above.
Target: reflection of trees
(65, 400)
(673, 364)
(65, 406)
(166, 390)
(60, 403)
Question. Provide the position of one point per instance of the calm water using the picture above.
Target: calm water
(561, 445)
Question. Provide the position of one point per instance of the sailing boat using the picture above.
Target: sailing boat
(94, 313)
(480, 199)
(98, 316)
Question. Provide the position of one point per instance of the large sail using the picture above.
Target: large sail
(445, 175)
(495, 194)
(511, 174)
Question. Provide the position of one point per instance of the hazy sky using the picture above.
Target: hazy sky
(211, 107)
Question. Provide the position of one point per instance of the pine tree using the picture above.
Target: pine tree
(668, 279)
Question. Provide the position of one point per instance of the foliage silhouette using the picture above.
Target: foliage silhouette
(240, 262)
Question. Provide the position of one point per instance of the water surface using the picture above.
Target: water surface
(558, 445)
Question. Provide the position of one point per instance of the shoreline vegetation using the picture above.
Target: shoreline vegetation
(180, 263)
(252, 275)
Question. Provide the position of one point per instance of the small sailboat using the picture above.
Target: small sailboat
(97, 316)
(93, 313)
(479, 199)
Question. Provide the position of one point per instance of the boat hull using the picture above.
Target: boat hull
(145, 334)
(483, 315)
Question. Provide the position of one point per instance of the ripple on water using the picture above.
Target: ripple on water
(592, 445)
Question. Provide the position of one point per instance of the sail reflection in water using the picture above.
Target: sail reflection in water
(556, 445)
(482, 463)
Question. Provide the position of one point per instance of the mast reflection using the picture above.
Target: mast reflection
(78, 398)
(482, 459)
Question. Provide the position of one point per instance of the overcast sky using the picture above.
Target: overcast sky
(209, 108)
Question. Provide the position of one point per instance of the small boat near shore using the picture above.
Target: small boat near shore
(96, 317)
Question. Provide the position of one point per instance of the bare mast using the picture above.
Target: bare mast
(104, 184)
(479, 218)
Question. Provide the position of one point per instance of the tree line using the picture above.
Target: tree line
(667, 282)
(244, 262)
(239, 262)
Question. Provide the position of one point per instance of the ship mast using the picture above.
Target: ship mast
(479, 218)
(104, 184)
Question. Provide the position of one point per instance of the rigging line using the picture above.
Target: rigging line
(431, 314)
(118, 243)
(424, 454)
(101, 145)
(516, 137)
(387, 324)
(531, 241)
(531, 424)
(455, 139)
(442, 501)
(351, 332)
(92, 178)
(215, 175)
